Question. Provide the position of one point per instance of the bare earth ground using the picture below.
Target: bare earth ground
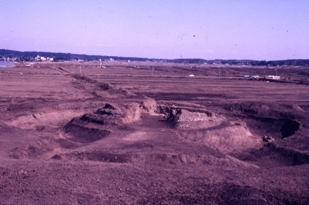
(146, 133)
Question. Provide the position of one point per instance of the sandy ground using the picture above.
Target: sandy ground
(146, 133)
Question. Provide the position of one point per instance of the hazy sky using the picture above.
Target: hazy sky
(209, 29)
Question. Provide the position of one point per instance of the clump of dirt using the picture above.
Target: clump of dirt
(105, 86)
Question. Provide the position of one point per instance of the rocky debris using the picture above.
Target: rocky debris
(132, 113)
(190, 119)
(108, 109)
(105, 86)
(149, 104)
(166, 111)
(268, 139)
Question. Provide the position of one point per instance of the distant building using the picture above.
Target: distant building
(255, 77)
(273, 77)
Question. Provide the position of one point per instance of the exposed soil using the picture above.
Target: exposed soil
(128, 134)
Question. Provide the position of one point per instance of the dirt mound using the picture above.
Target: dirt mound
(212, 130)
(185, 119)
(226, 138)
(42, 120)
(84, 78)
(91, 127)
(190, 119)
(83, 134)
(97, 86)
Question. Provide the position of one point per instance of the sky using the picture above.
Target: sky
(208, 29)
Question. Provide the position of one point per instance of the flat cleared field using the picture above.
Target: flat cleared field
(147, 133)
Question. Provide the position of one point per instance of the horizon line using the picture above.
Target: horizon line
(150, 58)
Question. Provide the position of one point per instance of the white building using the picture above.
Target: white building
(273, 77)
